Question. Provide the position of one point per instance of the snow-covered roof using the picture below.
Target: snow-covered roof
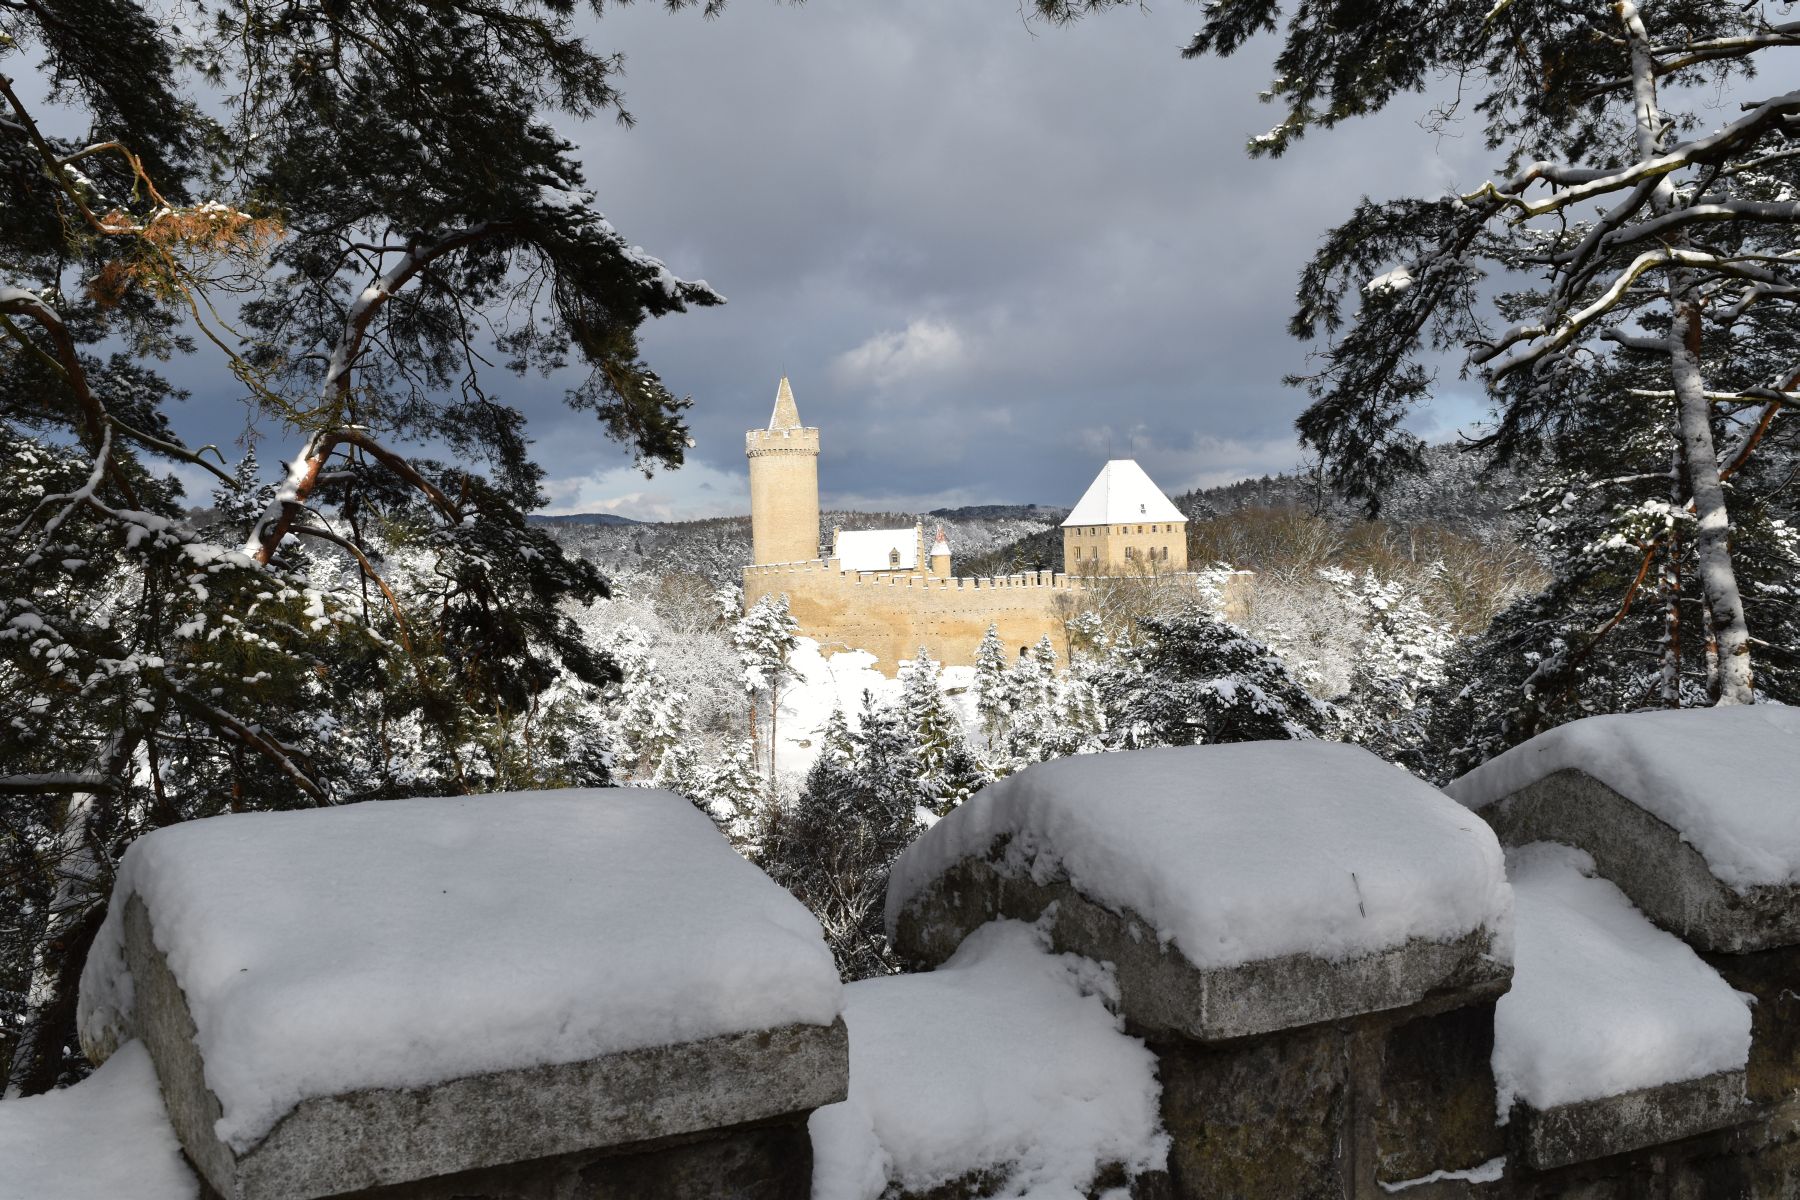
(1722, 777)
(872, 549)
(941, 545)
(1122, 493)
(1602, 1001)
(402, 943)
(1237, 853)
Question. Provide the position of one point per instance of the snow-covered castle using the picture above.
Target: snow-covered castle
(888, 592)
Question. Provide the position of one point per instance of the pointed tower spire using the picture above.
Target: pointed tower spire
(786, 415)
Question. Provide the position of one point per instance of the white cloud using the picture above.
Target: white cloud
(693, 492)
(927, 346)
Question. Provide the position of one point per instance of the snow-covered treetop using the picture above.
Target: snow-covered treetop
(1724, 778)
(1122, 493)
(1238, 853)
(400, 943)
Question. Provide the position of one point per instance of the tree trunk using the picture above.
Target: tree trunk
(1669, 685)
(1712, 541)
(77, 906)
(774, 716)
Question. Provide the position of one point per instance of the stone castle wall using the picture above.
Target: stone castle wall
(892, 614)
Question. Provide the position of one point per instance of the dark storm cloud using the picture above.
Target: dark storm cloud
(986, 251)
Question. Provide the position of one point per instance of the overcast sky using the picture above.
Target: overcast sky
(985, 251)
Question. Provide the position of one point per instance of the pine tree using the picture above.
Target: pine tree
(1622, 624)
(1032, 684)
(729, 790)
(766, 638)
(992, 688)
(1398, 665)
(948, 772)
(1654, 229)
(648, 715)
(1191, 679)
(388, 623)
(239, 502)
(834, 849)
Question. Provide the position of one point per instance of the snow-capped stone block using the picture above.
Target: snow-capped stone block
(1003, 1066)
(355, 997)
(1237, 889)
(1615, 1035)
(106, 1136)
(1691, 812)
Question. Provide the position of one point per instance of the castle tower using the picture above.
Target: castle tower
(1124, 525)
(784, 485)
(940, 555)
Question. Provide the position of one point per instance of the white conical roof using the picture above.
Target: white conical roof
(1122, 493)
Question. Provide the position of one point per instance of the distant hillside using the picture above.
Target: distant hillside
(1453, 491)
(1026, 512)
(1453, 496)
(1000, 539)
(580, 519)
(719, 548)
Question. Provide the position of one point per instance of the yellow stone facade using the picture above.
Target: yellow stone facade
(784, 485)
(891, 613)
(1139, 548)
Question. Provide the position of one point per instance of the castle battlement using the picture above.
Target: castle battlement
(781, 441)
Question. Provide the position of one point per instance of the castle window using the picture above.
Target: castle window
(893, 558)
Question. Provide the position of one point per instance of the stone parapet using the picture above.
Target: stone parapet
(381, 1137)
(1650, 861)
(1164, 995)
(548, 994)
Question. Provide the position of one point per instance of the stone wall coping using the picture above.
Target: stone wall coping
(1648, 860)
(1161, 994)
(1590, 1129)
(378, 1137)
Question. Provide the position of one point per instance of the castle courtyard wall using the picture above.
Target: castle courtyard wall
(891, 615)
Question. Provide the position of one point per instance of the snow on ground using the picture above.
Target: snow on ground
(1602, 1001)
(1240, 852)
(105, 1138)
(838, 682)
(1723, 777)
(399, 943)
(1005, 1058)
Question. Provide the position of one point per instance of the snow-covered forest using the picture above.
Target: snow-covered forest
(370, 243)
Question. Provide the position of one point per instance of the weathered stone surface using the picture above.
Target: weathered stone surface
(1434, 1095)
(980, 1185)
(1160, 992)
(1649, 862)
(1571, 1133)
(379, 1137)
(1773, 977)
(1264, 1118)
(771, 1160)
